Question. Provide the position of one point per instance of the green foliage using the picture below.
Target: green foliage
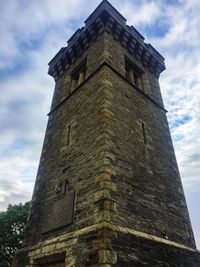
(12, 225)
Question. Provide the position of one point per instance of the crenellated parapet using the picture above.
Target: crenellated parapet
(106, 18)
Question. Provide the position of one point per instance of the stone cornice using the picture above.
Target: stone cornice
(112, 227)
(106, 18)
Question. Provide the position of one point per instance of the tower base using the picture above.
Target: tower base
(107, 245)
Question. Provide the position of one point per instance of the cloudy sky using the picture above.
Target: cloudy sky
(31, 33)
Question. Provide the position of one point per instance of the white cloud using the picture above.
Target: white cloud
(23, 23)
(26, 95)
(147, 13)
(180, 83)
(184, 28)
(180, 86)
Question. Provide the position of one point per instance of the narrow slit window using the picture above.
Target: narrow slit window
(144, 133)
(68, 135)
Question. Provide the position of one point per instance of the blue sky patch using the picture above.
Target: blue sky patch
(180, 121)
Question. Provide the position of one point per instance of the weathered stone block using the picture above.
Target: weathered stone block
(107, 256)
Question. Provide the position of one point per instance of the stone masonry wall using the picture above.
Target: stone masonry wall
(146, 174)
(117, 55)
(146, 170)
(137, 251)
(106, 245)
(81, 162)
(107, 148)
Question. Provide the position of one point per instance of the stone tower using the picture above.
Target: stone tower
(108, 191)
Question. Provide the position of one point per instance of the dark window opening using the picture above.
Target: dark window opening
(144, 133)
(68, 135)
(78, 76)
(137, 80)
(133, 74)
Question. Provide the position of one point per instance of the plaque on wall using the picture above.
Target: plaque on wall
(58, 211)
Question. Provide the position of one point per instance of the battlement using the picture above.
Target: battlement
(106, 18)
